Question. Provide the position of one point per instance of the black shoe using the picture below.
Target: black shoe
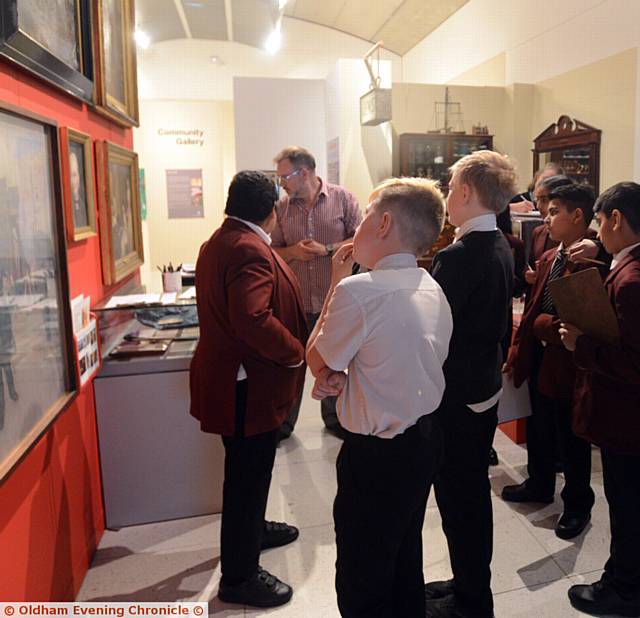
(493, 457)
(276, 534)
(449, 607)
(601, 599)
(523, 493)
(284, 433)
(337, 431)
(438, 589)
(261, 590)
(571, 525)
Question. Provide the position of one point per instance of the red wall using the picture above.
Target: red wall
(51, 513)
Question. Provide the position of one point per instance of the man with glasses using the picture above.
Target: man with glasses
(314, 218)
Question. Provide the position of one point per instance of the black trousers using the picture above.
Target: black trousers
(621, 475)
(463, 495)
(327, 405)
(383, 486)
(550, 424)
(248, 463)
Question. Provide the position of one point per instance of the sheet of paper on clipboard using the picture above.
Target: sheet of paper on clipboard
(581, 299)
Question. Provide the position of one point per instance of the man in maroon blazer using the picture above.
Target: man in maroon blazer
(607, 408)
(538, 355)
(245, 374)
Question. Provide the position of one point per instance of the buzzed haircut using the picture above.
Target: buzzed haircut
(418, 208)
(625, 197)
(492, 176)
(297, 156)
(576, 196)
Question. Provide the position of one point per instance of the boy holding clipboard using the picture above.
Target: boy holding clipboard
(606, 408)
(537, 355)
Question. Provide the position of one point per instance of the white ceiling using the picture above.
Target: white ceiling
(401, 24)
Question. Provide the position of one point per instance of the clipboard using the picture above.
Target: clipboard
(580, 299)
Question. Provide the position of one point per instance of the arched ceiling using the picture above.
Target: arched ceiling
(401, 24)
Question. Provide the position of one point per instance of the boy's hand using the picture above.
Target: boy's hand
(569, 335)
(328, 384)
(583, 249)
(342, 263)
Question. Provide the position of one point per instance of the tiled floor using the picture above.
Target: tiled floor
(179, 560)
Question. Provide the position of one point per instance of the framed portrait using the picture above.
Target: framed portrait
(51, 38)
(76, 157)
(119, 208)
(37, 363)
(116, 93)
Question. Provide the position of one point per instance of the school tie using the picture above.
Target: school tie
(557, 268)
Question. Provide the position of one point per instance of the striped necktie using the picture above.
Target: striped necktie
(557, 268)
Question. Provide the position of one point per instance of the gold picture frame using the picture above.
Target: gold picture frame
(115, 67)
(119, 211)
(76, 158)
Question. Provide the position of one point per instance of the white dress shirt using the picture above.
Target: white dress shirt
(617, 258)
(391, 329)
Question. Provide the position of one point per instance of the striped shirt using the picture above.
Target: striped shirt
(333, 218)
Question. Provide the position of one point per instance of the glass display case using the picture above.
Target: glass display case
(573, 145)
(430, 155)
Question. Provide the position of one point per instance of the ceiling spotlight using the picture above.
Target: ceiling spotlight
(142, 39)
(274, 40)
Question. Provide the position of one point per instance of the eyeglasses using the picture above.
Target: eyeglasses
(287, 177)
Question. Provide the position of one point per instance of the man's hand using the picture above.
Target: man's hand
(341, 263)
(523, 206)
(586, 248)
(329, 383)
(569, 335)
(306, 250)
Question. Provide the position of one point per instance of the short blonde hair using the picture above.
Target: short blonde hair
(491, 174)
(417, 206)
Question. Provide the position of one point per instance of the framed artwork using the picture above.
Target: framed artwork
(51, 38)
(116, 93)
(119, 208)
(77, 180)
(37, 364)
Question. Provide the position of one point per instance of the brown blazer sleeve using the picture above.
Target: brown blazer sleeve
(618, 362)
(250, 287)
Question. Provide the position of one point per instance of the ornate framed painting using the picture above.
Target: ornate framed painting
(51, 38)
(116, 92)
(76, 158)
(119, 211)
(37, 360)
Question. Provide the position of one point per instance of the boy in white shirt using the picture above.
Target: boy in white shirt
(390, 328)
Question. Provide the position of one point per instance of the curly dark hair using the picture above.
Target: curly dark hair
(252, 196)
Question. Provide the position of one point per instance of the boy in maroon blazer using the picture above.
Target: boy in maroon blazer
(538, 355)
(607, 408)
(245, 374)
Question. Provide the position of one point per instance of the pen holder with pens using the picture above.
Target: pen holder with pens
(172, 281)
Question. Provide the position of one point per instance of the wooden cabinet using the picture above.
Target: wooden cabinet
(430, 155)
(573, 145)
